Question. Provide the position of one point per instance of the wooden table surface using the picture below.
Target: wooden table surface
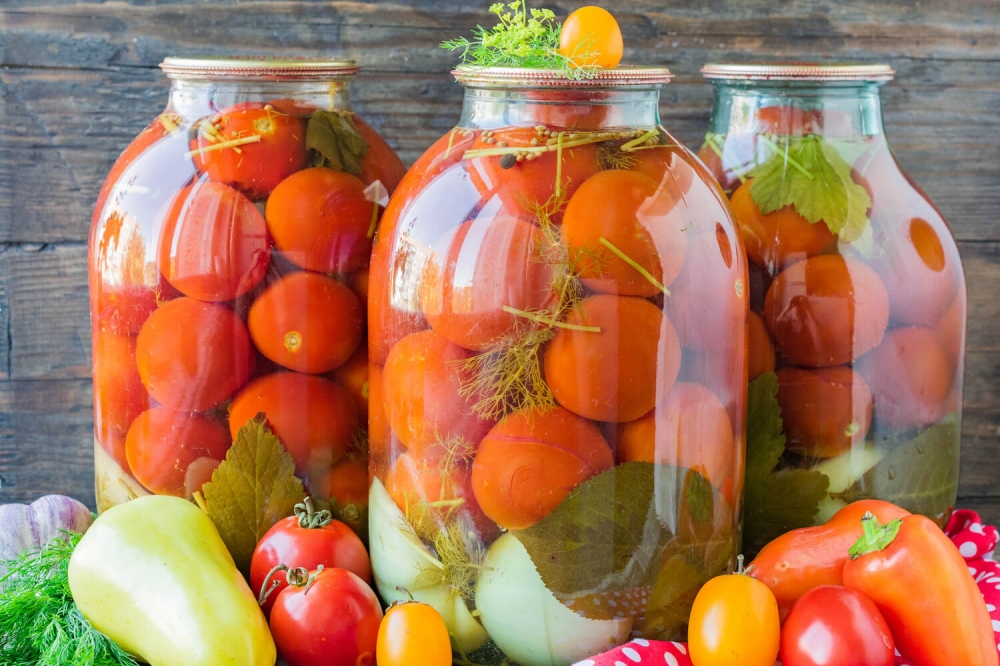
(78, 80)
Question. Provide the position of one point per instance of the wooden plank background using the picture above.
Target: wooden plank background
(78, 80)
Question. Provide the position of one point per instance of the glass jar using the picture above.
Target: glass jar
(229, 255)
(557, 349)
(856, 287)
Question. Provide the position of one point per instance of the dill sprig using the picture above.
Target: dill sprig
(40, 624)
(522, 37)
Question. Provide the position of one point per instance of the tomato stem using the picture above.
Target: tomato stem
(634, 264)
(269, 584)
(309, 518)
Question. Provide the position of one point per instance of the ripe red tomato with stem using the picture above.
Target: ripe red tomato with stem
(328, 617)
(251, 147)
(834, 626)
(413, 633)
(308, 539)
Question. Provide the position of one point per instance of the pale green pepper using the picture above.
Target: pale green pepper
(154, 576)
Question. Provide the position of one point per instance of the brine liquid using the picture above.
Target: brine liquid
(557, 388)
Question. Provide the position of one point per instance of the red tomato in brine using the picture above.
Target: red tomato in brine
(214, 244)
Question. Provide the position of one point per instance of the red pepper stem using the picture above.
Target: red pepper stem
(309, 518)
(874, 536)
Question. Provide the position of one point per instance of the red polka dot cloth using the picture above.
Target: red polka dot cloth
(975, 541)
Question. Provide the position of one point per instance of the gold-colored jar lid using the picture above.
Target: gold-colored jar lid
(616, 77)
(799, 71)
(258, 69)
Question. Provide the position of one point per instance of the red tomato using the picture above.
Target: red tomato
(119, 396)
(307, 322)
(214, 244)
(320, 219)
(825, 411)
(834, 626)
(307, 539)
(353, 376)
(252, 147)
(193, 355)
(313, 417)
(332, 621)
(162, 444)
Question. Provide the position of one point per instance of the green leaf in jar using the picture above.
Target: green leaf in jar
(775, 501)
(602, 549)
(919, 475)
(253, 488)
(335, 142)
(811, 174)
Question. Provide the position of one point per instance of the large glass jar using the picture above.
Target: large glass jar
(229, 255)
(856, 288)
(557, 349)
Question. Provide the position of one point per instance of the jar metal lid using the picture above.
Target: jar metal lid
(616, 77)
(799, 71)
(258, 68)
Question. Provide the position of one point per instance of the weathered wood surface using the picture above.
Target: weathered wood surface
(78, 80)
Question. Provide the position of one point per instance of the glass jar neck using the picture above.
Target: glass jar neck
(195, 98)
(578, 108)
(841, 109)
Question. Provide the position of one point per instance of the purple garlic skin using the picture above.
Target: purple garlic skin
(24, 526)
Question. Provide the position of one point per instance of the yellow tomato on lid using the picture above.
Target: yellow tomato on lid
(591, 37)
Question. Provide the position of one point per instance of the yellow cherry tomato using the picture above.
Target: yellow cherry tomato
(412, 634)
(591, 37)
(734, 622)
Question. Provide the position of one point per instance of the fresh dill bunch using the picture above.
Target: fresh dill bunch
(40, 624)
(522, 37)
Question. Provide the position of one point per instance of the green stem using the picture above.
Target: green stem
(309, 518)
(639, 140)
(542, 319)
(778, 149)
(875, 537)
(634, 264)
(270, 584)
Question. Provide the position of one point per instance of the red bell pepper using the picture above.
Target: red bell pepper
(918, 579)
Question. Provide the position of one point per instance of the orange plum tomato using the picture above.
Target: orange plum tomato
(125, 285)
(734, 622)
(826, 311)
(535, 179)
(612, 369)
(380, 161)
(690, 429)
(439, 490)
(590, 37)
(251, 147)
(531, 460)
(321, 220)
(920, 268)
(825, 411)
(485, 268)
(780, 237)
(911, 377)
(163, 443)
(307, 322)
(119, 395)
(332, 620)
(359, 284)
(307, 539)
(353, 376)
(761, 351)
(618, 231)
(313, 417)
(422, 382)
(413, 633)
(214, 244)
(192, 355)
